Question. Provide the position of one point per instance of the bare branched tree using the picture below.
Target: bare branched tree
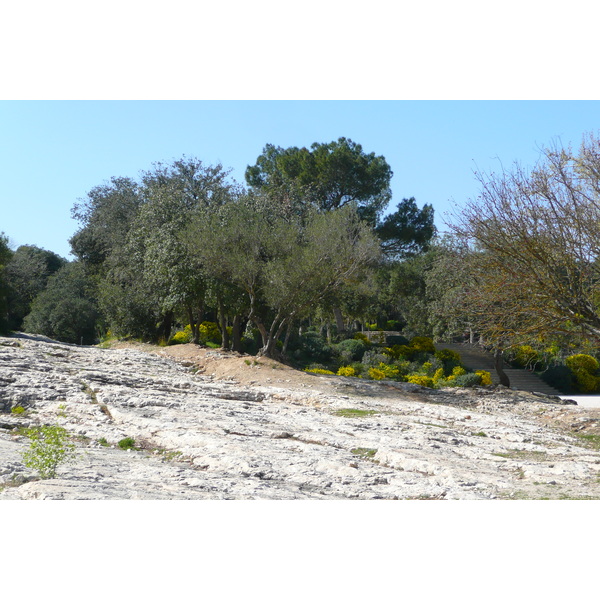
(535, 240)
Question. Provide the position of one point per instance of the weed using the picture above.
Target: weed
(103, 441)
(481, 434)
(17, 410)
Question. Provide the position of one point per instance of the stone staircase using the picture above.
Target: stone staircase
(475, 358)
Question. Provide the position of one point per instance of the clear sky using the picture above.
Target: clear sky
(53, 152)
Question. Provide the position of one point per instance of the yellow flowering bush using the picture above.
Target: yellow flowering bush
(376, 374)
(319, 371)
(584, 367)
(421, 380)
(457, 372)
(347, 372)
(486, 377)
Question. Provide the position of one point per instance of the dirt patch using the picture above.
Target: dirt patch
(232, 366)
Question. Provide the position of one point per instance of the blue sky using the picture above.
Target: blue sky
(54, 152)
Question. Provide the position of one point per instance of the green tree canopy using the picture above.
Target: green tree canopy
(329, 175)
(27, 274)
(5, 254)
(408, 230)
(66, 310)
(284, 263)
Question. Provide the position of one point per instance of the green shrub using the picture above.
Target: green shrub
(397, 340)
(17, 410)
(561, 378)
(349, 351)
(126, 443)
(446, 355)
(312, 345)
(422, 344)
(467, 380)
(363, 338)
(49, 448)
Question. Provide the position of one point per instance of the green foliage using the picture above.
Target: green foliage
(103, 442)
(311, 345)
(328, 176)
(66, 309)
(363, 338)
(49, 448)
(127, 443)
(560, 377)
(407, 231)
(348, 351)
(446, 355)
(354, 413)
(467, 380)
(422, 344)
(17, 410)
(5, 254)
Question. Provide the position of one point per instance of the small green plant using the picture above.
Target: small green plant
(49, 448)
(126, 443)
(364, 452)
(103, 441)
(354, 413)
(17, 410)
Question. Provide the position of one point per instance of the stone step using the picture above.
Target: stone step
(475, 358)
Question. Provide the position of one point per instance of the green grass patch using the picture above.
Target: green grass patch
(364, 452)
(591, 440)
(533, 455)
(354, 413)
(126, 444)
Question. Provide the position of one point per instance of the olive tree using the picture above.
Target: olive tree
(283, 262)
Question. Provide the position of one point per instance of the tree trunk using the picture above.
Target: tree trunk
(164, 330)
(339, 319)
(223, 324)
(236, 334)
(498, 360)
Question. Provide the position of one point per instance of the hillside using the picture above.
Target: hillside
(209, 425)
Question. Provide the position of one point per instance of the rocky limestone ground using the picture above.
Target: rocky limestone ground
(213, 425)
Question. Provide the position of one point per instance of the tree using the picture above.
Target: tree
(5, 254)
(284, 263)
(27, 274)
(106, 216)
(328, 176)
(536, 263)
(408, 231)
(66, 309)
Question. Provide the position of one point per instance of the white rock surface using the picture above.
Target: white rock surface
(210, 439)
